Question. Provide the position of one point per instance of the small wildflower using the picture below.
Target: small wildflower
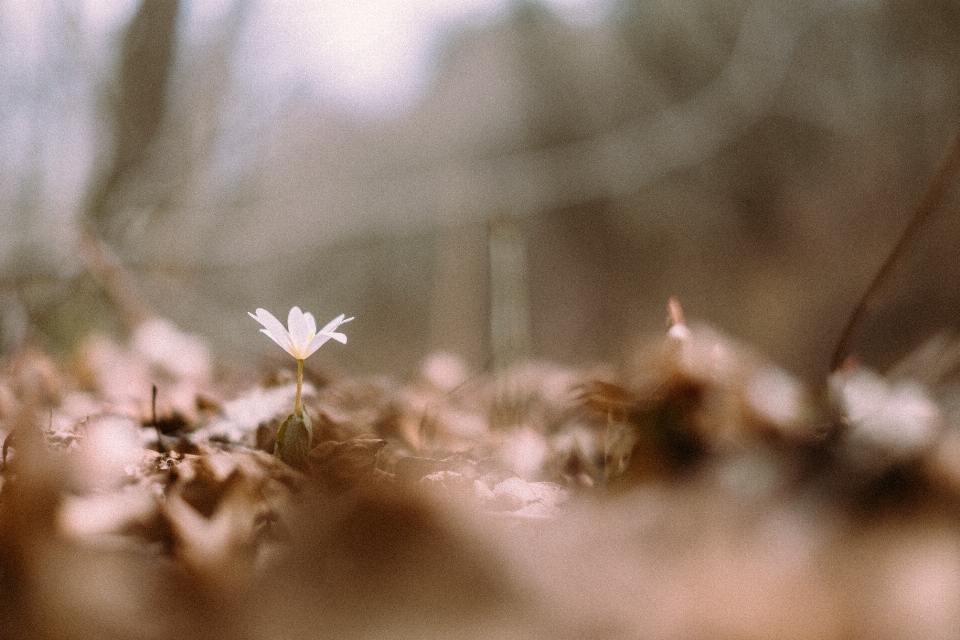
(300, 339)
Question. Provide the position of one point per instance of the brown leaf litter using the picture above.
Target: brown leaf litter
(696, 491)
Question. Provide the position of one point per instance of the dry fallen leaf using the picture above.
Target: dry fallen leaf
(340, 466)
(698, 491)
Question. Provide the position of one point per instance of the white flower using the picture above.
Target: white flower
(300, 338)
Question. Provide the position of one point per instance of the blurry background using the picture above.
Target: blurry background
(499, 178)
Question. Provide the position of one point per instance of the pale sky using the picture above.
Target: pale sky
(368, 54)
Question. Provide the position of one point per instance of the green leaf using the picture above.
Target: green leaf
(294, 440)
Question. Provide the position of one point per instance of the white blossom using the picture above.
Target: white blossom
(300, 337)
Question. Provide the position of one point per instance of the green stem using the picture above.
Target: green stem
(296, 404)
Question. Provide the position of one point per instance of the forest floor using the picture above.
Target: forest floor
(694, 490)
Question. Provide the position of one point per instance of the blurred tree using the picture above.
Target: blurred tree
(142, 84)
(143, 79)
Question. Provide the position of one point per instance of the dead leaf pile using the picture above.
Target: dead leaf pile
(695, 491)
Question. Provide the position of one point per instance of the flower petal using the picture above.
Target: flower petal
(311, 323)
(315, 344)
(300, 337)
(286, 348)
(327, 333)
(333, 324)
(273, 329)
(339, 337)
(299, 326)
(328, 330)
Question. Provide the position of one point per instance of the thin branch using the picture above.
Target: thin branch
(108, 272)
(930, 203)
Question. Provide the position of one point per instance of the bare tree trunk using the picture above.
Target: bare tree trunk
(143, 79)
